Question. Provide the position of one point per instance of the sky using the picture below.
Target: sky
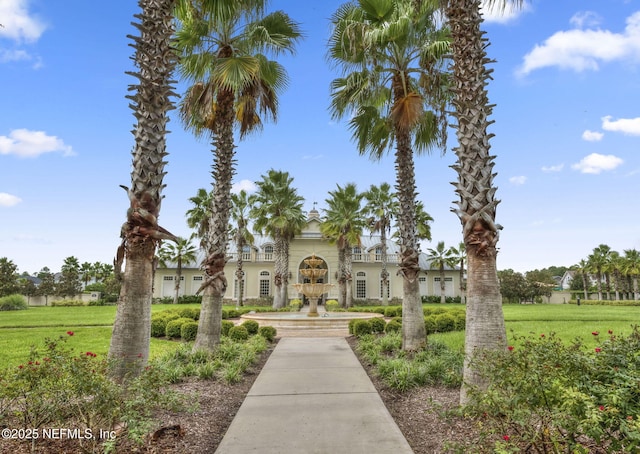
(567, 132)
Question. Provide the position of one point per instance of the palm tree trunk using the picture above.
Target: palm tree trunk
(384, 274)
(280, 269)
(348, 266)
(342, 278)
(176, 297)
(239, 273)
(151, 100)
(215, 284)
(485, 327)
(443, 298)
(585, 285)
(414, 334)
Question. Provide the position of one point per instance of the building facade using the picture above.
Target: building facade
(258, 267)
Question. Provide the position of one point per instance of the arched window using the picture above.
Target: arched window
(378, 254)
(268, 253)
(357, 254)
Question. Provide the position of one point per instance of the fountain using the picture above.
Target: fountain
(313, 290)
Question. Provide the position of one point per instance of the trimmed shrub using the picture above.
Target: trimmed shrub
(377, 325)
(295, 305)
(225, 314)
(362, 327)
(351, 323)
(331, 305)
(174, 327)
(232, 313)
(189, 312)
(268, 332)
(189, 330)
(226, 326)
(158, 325)
(252, 326)
(445, 323)
(13, 303)
(390, 311)
(190, 299)
(393, 326)
(430, 324)
(239, 333)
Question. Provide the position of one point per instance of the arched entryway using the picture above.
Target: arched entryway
(322, 278)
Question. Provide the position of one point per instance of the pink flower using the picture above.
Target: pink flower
(598, 349)
(505, 437)
(510, 348)
(20, 366)
(542, 335)
(601, 408)
(610, 332)
(70, 333)
(93, 355)
(595, 333)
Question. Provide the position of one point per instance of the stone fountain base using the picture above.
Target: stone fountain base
(301, 320)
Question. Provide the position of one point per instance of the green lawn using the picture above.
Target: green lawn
(92, 325)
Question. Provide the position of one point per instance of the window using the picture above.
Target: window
(361, 285)
(265, 284)
(357, 254)
(167, 278)
(246, 253)
(268, 253)
(378, 254)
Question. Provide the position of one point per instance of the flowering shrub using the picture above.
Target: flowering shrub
(552, 397)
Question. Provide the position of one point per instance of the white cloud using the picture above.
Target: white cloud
(596, 163)
(313, 157)
(9, 200)
(248, 185)
(30, 144)
(629, 126)
(592, 136)
(585, 19)
(18, 23)
(581, 50)
(556, 168)
(494, 12)
(519, 180)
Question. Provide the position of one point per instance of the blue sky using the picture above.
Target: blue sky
(567, 132)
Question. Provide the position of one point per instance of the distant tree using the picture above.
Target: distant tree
(513, 286)
(582, 268)
(69, 283)
(631, 268)
(460, 255)
(8, 277)
(342, 225)
(86, 273)
(539, 283)
(27, 287)
(178, 253)
(440, 258)
(47, 285)
(240, 208)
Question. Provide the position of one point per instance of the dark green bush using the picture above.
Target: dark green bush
(232, 313)
(189, 330)
(390, 311)
(67, 303)
(239, 333)
(393, 326)
(189, 312)
(445, 323)
(158, 325)
(225, 314)
(362, 327)
(252, 326)
(268, 332)
(174, 327)
(430, 324)
(377, 325)
(13, 303)
(190, 299)
(351, 323)
(226, 326)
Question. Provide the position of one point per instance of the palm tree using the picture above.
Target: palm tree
(223, 46)
(240, 208)
(632, 269)
(383, 48)
(583, 268)
(198, 217)
(381, 208)
(440, 258)
(476, 207)
(277, 212)
(460, 255)
(342, 225)
(141, 234)
(598, 261)
(86, 270)
(183, 251)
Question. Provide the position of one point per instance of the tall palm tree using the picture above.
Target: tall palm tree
(277, 212)
(380, 208)
(476, 207)
(632, 269)
(342, 225)
(179, 253)
(223, 46)
(199, 215)
(598, 262)
(86, 271)
(583, 268)
(460, 255)
(141, 234)
(240, 208)
(383, 48)
(440, 258)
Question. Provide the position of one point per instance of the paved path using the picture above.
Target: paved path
(313, 397)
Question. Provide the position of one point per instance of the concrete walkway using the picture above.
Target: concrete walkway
(313, 396)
